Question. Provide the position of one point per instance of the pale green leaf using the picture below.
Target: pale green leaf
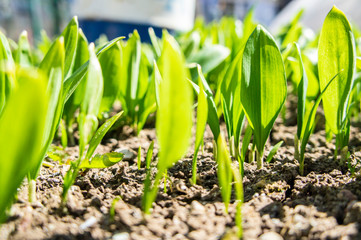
(263, 85)
(210, 57)
(22, 124)
(100, 133)
(174, 114)
(336, 52)
(23, 52)
(224, 171)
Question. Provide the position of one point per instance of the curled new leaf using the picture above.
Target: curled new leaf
(102, 161)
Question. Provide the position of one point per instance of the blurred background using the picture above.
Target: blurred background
(119, 17)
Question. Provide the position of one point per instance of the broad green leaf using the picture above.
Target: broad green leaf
(174, 114)
(52, 66)
(100, 133)
(70, 35)
(22, 124)
(23, 52)
(263, 84)
(302, 94)
(210, 57)
(230, 89)
(81, 57)
(7, 71)
(111, 62)
(102, 160)
(336, 52)
(89, 108)
(130, 75)
(148, 104)
(72, 82)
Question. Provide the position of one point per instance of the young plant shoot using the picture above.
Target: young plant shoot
(263, 86)
(174, 114)
(202, 113)
(226, 173)
(88, 123)
(23, 127)
(336, 52)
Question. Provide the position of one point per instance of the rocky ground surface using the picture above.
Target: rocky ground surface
(325, 203)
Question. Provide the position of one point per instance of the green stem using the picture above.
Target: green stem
(150, 196)
(297, 148)
(302, 164)
(194, 169)
(259, 157)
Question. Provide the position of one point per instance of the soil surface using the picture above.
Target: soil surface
(279, 203)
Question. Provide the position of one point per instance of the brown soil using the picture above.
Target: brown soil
(279, 203)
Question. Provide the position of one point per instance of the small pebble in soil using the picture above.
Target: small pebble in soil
(88, 223)
(121, 236)
(270, 236)
(128, 153)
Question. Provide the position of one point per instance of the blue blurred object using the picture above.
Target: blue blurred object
(94, 28)
(209, 9)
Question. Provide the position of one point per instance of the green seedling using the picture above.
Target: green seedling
(309, 127)
(301, 104)
(88, 161)
(111, 64)
(58, 89)
(336, 52)
(7, 78)
(174, 114)
(24, 126)
(273, 151)
(53, 67)
(136, 91)
(226, 173)
(89, 107)
(147, 181)
(81, 57)
(263, 86)
(202, 113)
(149, 156)
(212, 118)
(238, 186)
(231, 104)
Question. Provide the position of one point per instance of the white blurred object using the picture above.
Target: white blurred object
(315, 12)
(172, 14)
(264, 10)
